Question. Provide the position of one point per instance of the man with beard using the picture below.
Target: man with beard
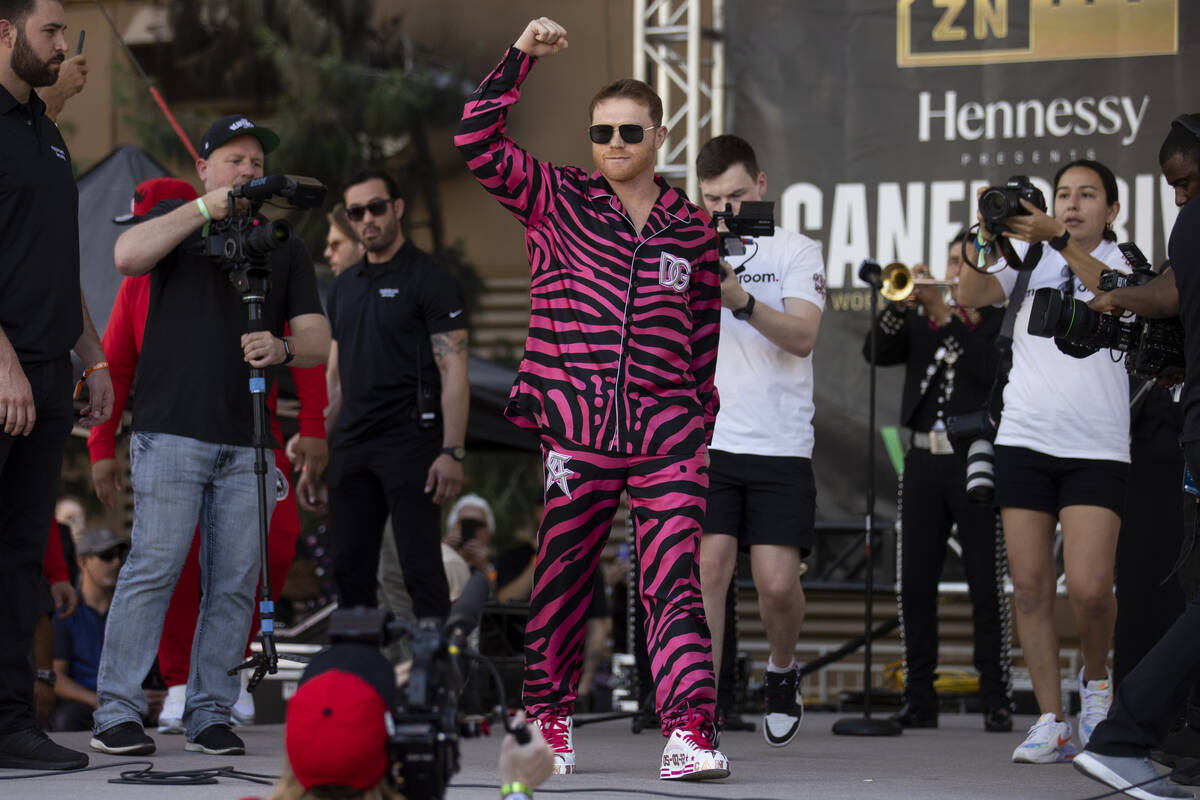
(192, 447)
(618, 381)
(399, 367)
(42, 318)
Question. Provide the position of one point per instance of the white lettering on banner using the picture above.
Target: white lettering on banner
(916, 224)
(1002, 119)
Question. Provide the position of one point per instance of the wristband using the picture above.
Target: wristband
(514, 790)
(1060, 242)
(203, 209)
(79, 384)
(980, 245)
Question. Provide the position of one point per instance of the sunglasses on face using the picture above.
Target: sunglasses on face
(376, 207)
(632, 134)
(111, 554)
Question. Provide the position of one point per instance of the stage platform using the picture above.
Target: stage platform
(958, 760)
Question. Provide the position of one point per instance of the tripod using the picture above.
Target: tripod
(870, 273)
(253, 281)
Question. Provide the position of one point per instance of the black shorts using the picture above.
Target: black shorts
(762, 499)
(1039, 482)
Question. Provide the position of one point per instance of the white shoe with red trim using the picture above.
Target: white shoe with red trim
(690, 756)
(557, 731)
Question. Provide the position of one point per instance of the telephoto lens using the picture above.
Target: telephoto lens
(981, 472)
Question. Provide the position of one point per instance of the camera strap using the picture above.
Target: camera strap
(1004, 339)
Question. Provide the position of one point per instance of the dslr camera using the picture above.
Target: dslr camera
(1153, 347)
(998, 203)
(244, 239)
(754, 218)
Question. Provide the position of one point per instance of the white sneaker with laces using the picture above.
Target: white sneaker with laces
(557, 731)
(170, 719)
(242, 712)
(1095, 698)
(1048, 742)
(690, 756)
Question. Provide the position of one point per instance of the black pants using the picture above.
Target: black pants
(367, 482)
(933, 497)
(1148, 701)
(29, 472)
(1148, 602)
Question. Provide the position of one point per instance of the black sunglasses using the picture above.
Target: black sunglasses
(112, 553)
(376, 207)
(632, 134)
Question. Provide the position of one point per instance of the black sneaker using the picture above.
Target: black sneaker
(998, 720)
(784, 707)
(126, 739)
(217, 740)
(32, 749)
(912, 716)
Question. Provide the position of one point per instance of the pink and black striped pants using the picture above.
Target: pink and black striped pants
(666, 502)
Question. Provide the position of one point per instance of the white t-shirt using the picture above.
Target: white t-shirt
(767, 393)
(1054, 403)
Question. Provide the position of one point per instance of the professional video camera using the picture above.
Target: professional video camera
(244, 238)
(754, 218)
(998, 203)
(1153, 347)
(426, 725)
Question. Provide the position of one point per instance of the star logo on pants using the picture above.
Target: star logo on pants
(557, 472)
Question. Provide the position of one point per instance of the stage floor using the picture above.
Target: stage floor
(958, 760)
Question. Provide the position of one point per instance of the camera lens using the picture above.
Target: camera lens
(993, 204)
(981, 472)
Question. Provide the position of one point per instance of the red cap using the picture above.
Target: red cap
(150, 193)
(336, 733)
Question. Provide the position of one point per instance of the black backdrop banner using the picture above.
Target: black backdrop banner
(876, 121)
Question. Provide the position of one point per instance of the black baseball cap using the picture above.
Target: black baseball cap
(232, 126)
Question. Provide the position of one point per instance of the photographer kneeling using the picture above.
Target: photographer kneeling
(1062, 448)
(337, 734)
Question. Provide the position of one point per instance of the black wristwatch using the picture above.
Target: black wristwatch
(45, 676)
(745, 311)
(288, 353)
(458, 452)
(1060, 241)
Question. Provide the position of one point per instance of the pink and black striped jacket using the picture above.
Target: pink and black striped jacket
(622, 344)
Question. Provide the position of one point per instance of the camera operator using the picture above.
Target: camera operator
(761, 492)
(1149, 700)
(1062, 449)
(192, 443)
(617, 379)
(336, 736)
(950, 362)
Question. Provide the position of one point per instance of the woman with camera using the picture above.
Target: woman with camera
(1062, 449)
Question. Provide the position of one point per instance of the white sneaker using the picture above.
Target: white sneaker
(1095, 698)
(170, 719)
(1048, 742)
(557, 731)
(690, 756)
(242, 712)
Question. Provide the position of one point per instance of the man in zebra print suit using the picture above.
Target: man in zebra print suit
(618, 381)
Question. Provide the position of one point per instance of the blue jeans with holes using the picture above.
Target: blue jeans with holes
(177, 480)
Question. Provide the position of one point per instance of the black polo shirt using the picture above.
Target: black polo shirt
(1184, 251)
(191, 377)
(39, 214)
(382, 316)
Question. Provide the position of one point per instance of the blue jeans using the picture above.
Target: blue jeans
(177, 480)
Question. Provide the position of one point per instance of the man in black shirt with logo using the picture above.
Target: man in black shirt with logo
(1148, 701)
(192, 444)
(400, 354)
(42, 318)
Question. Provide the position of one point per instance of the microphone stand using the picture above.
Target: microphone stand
(871, 274)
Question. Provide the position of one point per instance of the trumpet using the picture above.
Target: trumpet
(897, 282)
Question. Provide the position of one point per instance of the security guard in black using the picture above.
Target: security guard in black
(382, 316)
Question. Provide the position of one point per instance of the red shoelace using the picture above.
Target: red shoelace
(555, 732)
(696, 730)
